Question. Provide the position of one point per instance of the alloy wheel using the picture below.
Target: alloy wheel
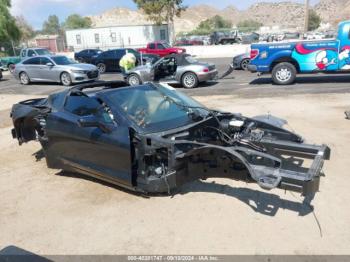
(284, 74)
(66, 79)
(24, 78)
(189, 80)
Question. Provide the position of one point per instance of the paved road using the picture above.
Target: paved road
(243, 84)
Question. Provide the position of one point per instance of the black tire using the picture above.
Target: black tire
(66, 79)
(244, 64)
(24, 78)
(133, 80)
(284, 74)
(189, 80)
(101, 68)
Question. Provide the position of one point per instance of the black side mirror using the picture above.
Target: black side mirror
(93, 121)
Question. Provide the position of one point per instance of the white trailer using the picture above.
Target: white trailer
(133, 36)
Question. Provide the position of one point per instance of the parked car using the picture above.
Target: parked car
(224, 38)
(154, 139)
(173, 69)
(9, 62)
(108, 61)
(285, 60)
(291, 36)
(161, 48)
(87, 55)
(58, 69)
(241, 61)
(30, 52)
(1, 75)
(2, 67)
(250, 38)
(188, 42)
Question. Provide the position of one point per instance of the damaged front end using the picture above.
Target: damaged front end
(231, 146)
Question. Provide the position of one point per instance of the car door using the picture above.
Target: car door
(82, 55)
(152, 48)
(48, 72)
(162, 50)
(87, 56)
(32, 68)
(109, 60)
(165, 70)
(89, 150)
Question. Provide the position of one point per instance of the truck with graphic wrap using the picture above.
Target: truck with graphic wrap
(285, 60)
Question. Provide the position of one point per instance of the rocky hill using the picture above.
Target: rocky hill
(333, 11)
(286, 14)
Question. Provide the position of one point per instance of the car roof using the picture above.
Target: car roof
(35, 48)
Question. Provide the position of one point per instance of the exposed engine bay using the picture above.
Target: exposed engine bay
(235, 147)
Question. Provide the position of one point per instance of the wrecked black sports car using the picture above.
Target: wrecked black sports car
(153, 139)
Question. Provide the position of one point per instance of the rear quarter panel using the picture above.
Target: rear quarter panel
(188, 68)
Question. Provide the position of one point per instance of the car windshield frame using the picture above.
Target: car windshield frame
(180, 106)
(61, 62)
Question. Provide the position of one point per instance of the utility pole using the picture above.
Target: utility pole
(307, 14)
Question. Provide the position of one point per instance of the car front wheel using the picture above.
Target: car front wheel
(66, 80)
(189, 80)
(24, 78)
(133, 80)
(284, 74)
(244, 64)
(101, 67)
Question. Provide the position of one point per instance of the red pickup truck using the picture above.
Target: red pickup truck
(161, 49)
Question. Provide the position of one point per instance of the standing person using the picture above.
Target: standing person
(127, 62)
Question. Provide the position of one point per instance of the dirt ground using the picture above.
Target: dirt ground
(49, 212)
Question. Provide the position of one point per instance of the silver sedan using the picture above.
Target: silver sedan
(173, 69)
(58, 69)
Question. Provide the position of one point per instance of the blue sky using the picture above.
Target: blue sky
(36, 11)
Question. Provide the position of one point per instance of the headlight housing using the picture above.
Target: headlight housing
(79, 71)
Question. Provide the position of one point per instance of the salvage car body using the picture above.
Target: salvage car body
(172, 69)
(153, 139)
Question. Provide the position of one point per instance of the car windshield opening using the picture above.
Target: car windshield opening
(62, 60)
(43, 52)
(157, 108)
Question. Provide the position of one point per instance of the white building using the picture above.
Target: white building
(133, 36)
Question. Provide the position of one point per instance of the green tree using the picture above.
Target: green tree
(314, 20)
(76, 21)
(249, 25)
(8, 28)
(215, 22)
(160, 11)
(27, 31)
(52, 26)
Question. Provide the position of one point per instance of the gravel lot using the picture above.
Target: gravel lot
(52, 212)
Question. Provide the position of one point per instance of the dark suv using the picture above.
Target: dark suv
(86, 55)
(108, 61)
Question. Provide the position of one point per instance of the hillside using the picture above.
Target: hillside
(285, 14)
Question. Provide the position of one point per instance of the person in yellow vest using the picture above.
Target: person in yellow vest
(127, 62)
